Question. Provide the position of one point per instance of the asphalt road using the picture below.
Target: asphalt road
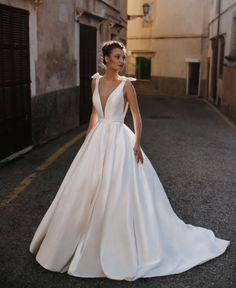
(194, 153)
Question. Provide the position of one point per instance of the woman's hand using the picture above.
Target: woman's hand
(138, 153)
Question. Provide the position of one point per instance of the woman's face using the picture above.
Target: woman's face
(116, 60)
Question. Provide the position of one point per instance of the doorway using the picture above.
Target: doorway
(88, 66)
(143, 68)
(193, 80)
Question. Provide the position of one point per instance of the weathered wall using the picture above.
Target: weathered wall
(56, 64)
(54, 57)
(55, 108)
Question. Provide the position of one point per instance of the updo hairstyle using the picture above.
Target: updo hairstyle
(108, 46)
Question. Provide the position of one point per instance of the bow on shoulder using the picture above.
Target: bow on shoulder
(96, 75)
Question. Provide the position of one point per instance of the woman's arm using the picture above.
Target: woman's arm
(93, 116)
(133, 103)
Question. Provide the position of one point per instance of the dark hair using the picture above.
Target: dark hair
(108, 46)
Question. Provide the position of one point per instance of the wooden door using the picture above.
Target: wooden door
(88, 65)
(15, 116)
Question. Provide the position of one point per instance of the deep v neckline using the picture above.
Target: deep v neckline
(99, 96)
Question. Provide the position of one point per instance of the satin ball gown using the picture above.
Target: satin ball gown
(111, 216)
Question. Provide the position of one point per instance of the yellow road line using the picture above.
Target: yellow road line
(27, 180)
(223, 116)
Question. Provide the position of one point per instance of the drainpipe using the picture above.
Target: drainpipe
(217, 54)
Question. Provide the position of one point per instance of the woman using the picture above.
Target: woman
(114, 59)
(111, 216)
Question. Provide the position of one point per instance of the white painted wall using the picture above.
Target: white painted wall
(174, 34)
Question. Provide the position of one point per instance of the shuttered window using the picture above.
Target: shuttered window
(15, 123)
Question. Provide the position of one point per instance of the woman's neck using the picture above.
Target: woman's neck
(111, 75)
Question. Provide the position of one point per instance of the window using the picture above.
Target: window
(143, 68)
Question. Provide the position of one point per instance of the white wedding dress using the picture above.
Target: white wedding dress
(111, 216)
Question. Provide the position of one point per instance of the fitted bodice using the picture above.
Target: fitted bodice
(114, 110)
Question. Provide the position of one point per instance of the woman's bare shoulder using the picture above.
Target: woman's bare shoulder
(127, 79)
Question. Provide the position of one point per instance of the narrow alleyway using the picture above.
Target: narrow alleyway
(194, 153)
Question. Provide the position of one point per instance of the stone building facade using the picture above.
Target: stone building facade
(222, 55)
(168, 52)
(52, 47)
